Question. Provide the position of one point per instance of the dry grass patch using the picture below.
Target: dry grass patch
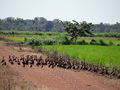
(11, 80)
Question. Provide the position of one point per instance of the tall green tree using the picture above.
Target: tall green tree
(75, 29)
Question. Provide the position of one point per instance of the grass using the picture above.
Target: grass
(15, 39)
(23, 33)
(18, 36)
(10, 79)
(15, 32)
(115, 42)
(109, 34)
(57, 38)
(106, 55)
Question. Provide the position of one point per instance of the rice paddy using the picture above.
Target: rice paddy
(106, 55)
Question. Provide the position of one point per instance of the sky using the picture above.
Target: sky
(95, 11)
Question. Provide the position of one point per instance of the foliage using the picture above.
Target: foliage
(59, 38)
(76, 29)
(47, 40)
(36, 24)
(93, 42)
(82, 42)
(102, 28)
(44, 25)
(111, 43)
(14, 33)
(101, 42)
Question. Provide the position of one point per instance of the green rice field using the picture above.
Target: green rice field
(106, 55)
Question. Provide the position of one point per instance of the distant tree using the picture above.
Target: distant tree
(42, 24)
(49, 26)
(58, 27)
(76, 29)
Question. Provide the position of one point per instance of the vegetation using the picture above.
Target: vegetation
(96, 54)
(44, 25)
(60, 39)
(116, 35)
(37, 24)
(106, 55)
(77, 29)
(16, 39)
(35, 33)
(102, 28)
(48, 40)
(27, 33)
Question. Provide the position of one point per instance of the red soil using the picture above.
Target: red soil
(58, 78)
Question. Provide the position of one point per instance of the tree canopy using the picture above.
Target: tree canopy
(75, 29)
(44, 25)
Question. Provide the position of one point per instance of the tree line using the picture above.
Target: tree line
(44, 25)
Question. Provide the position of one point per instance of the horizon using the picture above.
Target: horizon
(95, 11)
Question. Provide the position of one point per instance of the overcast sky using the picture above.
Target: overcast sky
(95, 11)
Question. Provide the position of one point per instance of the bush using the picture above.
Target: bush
(111, 43)
(101, 42)
(93, 42)
(40, 41)
(49, 42)
(118, 44)
(66, 41)
(83, 42)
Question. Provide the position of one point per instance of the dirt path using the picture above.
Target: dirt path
(57, 78)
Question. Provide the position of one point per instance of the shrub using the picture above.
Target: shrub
(93, 42)
(40, 41)
(66, 41)
(49, 42)
(111, 43)
(83, 42)
(118, 44)
(101, 42)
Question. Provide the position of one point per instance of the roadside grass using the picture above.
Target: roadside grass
(106, 55)
(11, 80)
(15, 39)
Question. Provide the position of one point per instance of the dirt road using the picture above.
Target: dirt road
(58, 78)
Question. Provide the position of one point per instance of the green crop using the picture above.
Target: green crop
(106, 55)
